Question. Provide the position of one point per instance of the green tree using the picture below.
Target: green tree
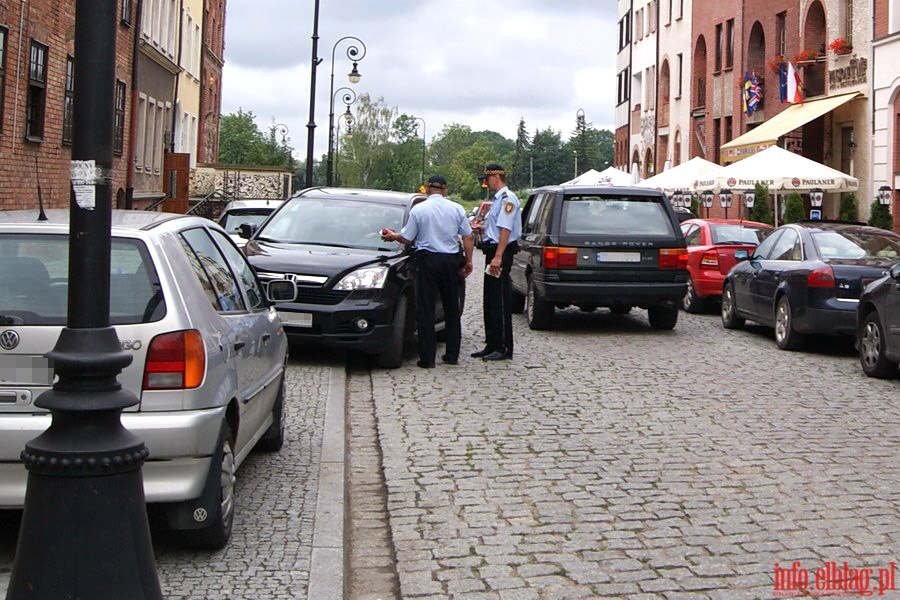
(761, 212)
(365, 154)
(551, 165)
(467, 164)
(519, 166)
(793, 211)
(242, 143)
(880, 215)
(848, 210)
(445, 145)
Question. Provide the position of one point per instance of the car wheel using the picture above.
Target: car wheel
(786, 337)
(871, 349)
(663, 317)
(517, 302)
(691, 302)
(730, 318)
(392, 357)
(218, 523)
(538, 311)
(273, 439)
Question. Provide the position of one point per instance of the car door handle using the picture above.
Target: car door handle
(266, 337)
(239, 345)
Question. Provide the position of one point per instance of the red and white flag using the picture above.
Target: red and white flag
(793, 85)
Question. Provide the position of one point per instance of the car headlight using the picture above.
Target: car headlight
(365, 278)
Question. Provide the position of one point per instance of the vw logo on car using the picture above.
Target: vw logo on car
(9, 339)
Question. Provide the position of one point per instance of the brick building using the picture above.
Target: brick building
(705, 52)
(165, 90)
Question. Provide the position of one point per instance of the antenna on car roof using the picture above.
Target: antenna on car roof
(42, 216)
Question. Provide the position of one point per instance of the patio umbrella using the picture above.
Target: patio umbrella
(681, 177)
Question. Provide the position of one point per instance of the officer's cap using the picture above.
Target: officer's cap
(437, 181)
(492, 169)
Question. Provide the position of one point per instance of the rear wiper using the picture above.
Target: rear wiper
(10, 320)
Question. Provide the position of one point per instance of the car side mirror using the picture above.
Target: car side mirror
(741, 255)
(281, 290)
(895, 272)
(246, 230)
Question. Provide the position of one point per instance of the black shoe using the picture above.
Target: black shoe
(497, 356)
(449, 361)
(481, 353)
(424, 365)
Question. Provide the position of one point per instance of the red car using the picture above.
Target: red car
(711, 247)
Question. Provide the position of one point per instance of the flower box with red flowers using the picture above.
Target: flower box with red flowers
(840, 46)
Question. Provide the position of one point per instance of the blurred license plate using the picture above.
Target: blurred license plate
(20, 369)
(296, 319)
(618, 257)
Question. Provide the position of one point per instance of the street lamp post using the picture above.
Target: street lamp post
(348, 119)
(424, 144)
(580, 126)
(282, 130)
(348, 98)
(356, 51)
(84, 530)
(311, 124)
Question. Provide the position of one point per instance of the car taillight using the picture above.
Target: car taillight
(673, 258)
(710, 259)
(821, 278)
(560, 258)
(175, 361)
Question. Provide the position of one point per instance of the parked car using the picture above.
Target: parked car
(208, 356)
(683, 213)
(711, 247)
(476, 218)
(251, 212)
(806, 278)
(354, 291)
(878, 331)
(599, 246)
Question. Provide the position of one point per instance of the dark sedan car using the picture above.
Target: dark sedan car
(354, 291)
(711, 247)
(878, 335)
(807, 278)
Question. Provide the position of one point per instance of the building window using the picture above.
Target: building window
(781, 34)
(37, 92)
(729, 43)
(719, 44)
(119, 119)
(3, 33)
(680, 74)
(847, 7)
(68, 101)
(625, 32)
(126, 12)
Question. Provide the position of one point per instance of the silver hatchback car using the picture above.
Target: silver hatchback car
(208, 352)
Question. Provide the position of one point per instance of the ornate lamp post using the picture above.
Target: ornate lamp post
(348, 119)
(282, 130)
(356, 51)
(84, 529)
(348, 98)
(424, 144)
(725, 200)
(311, 124)
(707, 199)
(885, 194)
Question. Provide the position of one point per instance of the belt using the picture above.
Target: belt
(486, 246)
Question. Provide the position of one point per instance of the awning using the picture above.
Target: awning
(784, 122)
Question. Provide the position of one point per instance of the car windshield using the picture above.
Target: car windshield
(347, 223)
(738, 234)
(34, 281)
(253, 216)
(615, 215)
(856, 244)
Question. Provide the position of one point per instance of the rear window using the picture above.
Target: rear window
(738, 234)
(34, 281)
(615, 215)
(838, 244)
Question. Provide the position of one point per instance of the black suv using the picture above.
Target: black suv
(354, 291)
(592, 247)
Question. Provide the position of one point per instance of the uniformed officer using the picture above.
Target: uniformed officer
(436, 225)
(502, 228)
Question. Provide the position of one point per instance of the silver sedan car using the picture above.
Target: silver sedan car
(208, 352)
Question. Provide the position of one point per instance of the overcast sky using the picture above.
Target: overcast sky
(481, 63)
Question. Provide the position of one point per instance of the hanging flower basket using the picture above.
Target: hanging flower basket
(776, 64)
(807, 56)
(840, 46)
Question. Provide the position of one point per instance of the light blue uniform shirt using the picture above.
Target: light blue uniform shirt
(505, 214)
(436, 224)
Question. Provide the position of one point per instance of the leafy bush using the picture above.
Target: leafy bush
(761, 211)
(880, 216)
(794, 211)
(848, 208)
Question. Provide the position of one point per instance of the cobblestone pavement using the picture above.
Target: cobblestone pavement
(610, 460)
(273, 544)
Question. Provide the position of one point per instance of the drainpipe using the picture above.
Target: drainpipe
(132, 143)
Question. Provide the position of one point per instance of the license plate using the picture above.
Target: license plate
(296, 319)
(628, 257)
(25, 370)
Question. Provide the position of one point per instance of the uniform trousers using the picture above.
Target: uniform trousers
(498, 302)
(437, 276)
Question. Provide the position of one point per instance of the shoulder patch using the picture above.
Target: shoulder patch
(503, 196)
(509, 207)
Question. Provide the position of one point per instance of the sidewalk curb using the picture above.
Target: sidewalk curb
(326, 569)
